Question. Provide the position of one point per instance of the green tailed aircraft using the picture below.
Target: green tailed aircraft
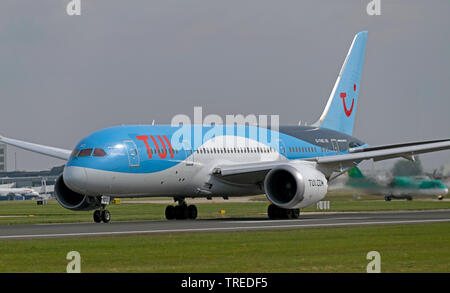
(398, 187)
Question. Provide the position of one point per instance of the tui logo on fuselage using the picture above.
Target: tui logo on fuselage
(162, 152)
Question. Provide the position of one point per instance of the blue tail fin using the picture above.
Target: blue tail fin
(339, 113)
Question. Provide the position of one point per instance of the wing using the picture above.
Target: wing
(37, 148)
(255, 172)
(248, 173)
(379, 153)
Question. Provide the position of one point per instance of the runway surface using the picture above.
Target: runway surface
(218, 225)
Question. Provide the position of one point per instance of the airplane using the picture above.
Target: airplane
(18, 191)
(44, 191)
(397, 188)
(9, 189)
(443, 177)
(7, 185)
(293, 172)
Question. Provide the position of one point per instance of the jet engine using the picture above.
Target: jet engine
(293, 186)
(72, 200)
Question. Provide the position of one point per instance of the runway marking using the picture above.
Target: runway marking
(220, 229)
(15, 216)
(296, 220)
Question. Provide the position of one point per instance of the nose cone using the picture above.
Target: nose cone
(75, 178)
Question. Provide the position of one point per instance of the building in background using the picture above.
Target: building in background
(445, 170)
(2, 157)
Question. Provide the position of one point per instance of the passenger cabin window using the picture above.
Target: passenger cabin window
(99, 153)
(85, 153)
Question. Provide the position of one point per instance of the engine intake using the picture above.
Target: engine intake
(72, 200)
(295, 186)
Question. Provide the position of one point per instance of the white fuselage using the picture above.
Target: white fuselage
(191, 177)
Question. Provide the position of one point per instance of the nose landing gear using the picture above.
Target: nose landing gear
(102, 216)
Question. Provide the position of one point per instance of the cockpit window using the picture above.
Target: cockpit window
(74, 153)
(99, 153)
(85, 153)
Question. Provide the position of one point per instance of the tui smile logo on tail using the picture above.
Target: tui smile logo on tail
(343, 95)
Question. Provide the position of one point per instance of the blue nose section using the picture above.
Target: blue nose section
(75, 178)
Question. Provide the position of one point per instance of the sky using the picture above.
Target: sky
(126, 62)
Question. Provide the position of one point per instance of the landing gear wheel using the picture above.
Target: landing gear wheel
(192, 212)
(97, 216)
(170, 212)
(181, 212)
(288, 214)
(271, 211)
(106, 216)
(275, 212)
(387, 198)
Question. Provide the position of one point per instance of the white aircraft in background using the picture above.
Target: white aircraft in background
(5, 191)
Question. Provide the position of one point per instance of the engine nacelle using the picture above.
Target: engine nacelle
(293, 186)
(72, 200)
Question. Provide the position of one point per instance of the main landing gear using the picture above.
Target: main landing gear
(275, 212)
(182, 211)
(390, 197)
